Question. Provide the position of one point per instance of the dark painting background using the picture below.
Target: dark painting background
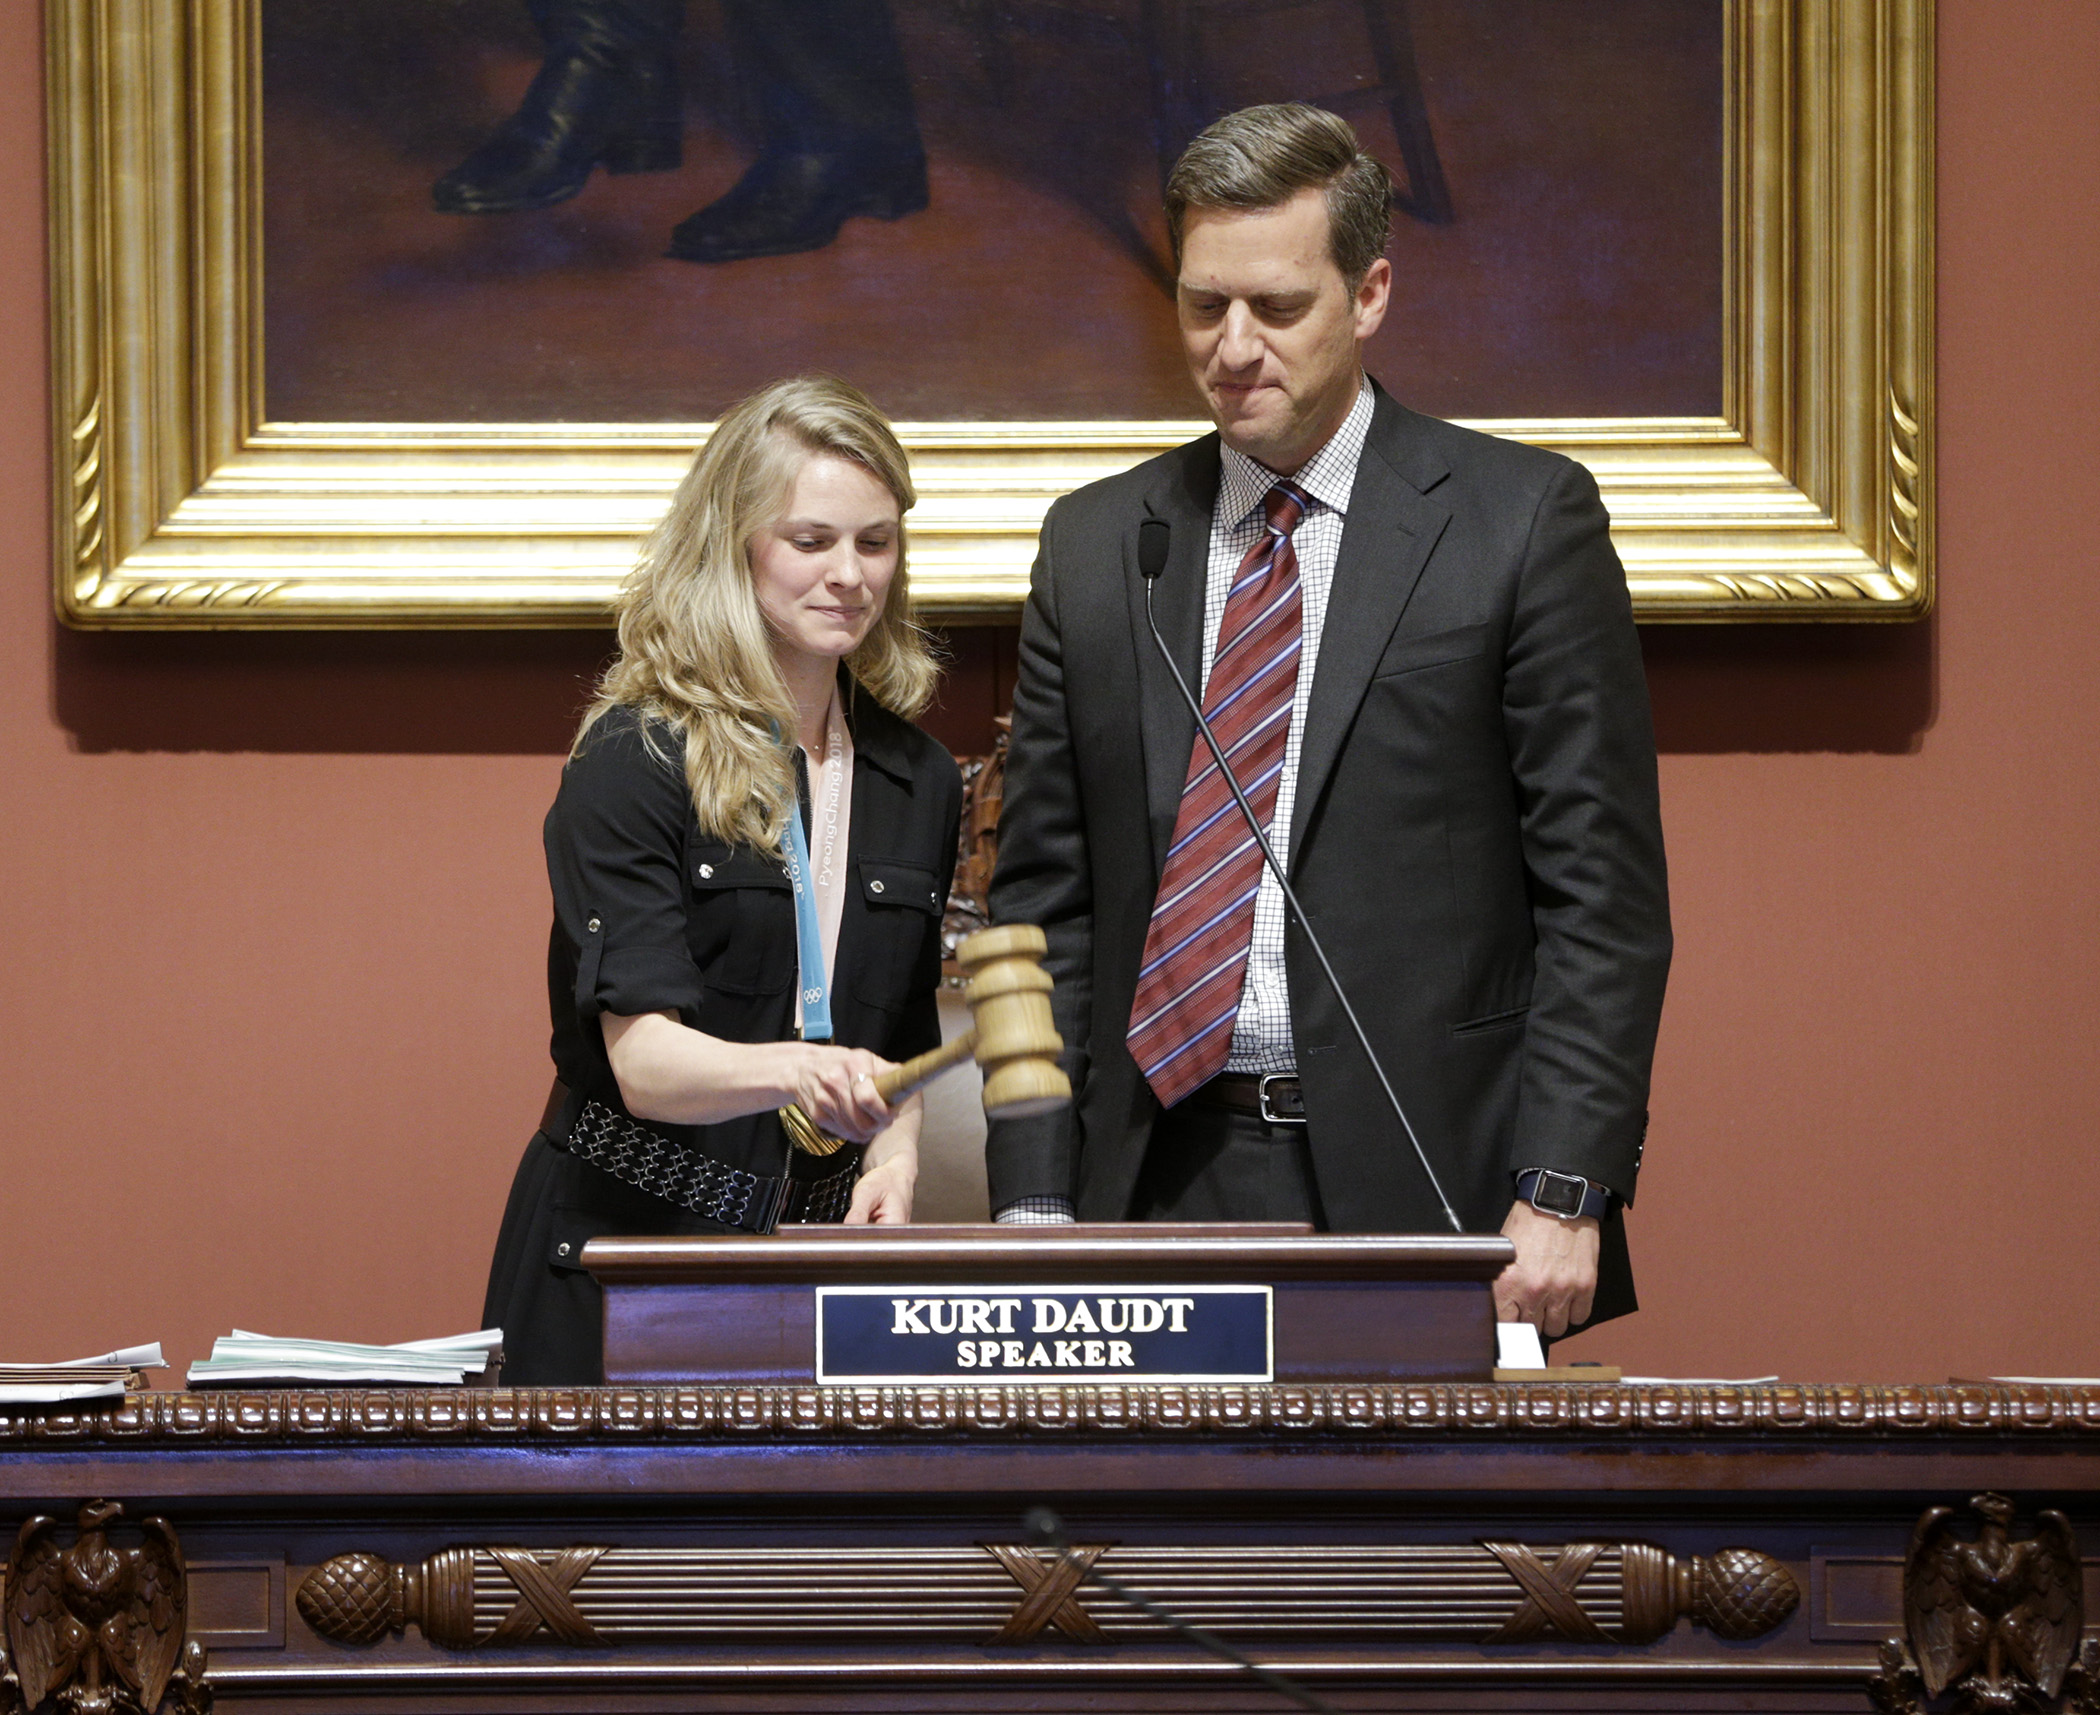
(1582, 275)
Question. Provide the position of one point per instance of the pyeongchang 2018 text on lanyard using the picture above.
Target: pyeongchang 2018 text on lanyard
(815, 993)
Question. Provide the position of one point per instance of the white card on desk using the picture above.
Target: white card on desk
(1517, 1347)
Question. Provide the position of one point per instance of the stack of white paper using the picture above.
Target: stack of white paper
(1700, 1381)
(2041, 1381)
(251, 1358)
(79, 1381)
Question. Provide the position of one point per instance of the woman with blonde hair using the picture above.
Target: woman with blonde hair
(750, 853)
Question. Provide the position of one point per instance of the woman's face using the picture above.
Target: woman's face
(823, 568)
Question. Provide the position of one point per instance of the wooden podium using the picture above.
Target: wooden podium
(998, 1306)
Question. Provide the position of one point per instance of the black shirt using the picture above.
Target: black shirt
(652, 915)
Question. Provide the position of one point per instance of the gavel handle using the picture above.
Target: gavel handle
(900, 1081)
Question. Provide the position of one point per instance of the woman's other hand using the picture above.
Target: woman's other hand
(890, 1172)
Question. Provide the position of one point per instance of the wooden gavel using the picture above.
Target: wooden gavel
(1012, 1036)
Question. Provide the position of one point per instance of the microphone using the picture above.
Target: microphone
(1152, 551)
(1046, 1529)
(1152, 560)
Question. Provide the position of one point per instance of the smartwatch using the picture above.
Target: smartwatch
(1567, 1195)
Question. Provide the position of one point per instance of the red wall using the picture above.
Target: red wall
(275, 1029)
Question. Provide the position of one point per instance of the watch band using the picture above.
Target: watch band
(1568, 1195)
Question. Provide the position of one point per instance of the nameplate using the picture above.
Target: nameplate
(996, 1336)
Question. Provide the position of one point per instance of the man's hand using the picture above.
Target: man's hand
(1555, 1275)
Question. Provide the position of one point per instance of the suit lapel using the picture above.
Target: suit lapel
(1391, 530)
(1183, 500)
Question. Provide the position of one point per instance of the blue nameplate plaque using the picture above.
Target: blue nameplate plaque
(994, 1336)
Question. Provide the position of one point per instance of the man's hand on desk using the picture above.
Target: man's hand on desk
(1555, 1275)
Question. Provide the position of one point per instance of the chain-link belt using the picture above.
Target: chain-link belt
(751, 1202)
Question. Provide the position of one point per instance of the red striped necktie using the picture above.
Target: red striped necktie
(1195, 960)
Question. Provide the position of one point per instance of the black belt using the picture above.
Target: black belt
(751, 1202)
(1272, 1096)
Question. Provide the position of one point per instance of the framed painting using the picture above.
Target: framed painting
(411, 313)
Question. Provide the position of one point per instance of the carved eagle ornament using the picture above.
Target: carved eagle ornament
(1993, 1602)
(94, 1609)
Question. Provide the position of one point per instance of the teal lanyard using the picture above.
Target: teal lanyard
(809, 936)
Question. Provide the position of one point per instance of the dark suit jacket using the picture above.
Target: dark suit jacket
(1476, 834)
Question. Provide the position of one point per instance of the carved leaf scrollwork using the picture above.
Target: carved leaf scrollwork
(1609, 1593)
(1906, 481)
(88, 488)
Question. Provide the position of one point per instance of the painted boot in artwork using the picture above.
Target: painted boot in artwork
(606, 95)
(838, 132)
(794, 202)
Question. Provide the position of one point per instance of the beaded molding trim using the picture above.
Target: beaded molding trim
(796, 1413)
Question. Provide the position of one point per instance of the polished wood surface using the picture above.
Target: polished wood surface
(1397, 1547)
(1082, 1251)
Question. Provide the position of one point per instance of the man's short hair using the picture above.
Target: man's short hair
(1261, 157)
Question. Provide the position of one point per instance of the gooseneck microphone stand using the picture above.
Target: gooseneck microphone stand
(1152, 560)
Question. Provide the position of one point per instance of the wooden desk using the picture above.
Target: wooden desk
(1418, 1547)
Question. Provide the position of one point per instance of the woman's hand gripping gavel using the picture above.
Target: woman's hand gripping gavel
(1011, 1035)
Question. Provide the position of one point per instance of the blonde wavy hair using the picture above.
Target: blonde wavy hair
(696, 656)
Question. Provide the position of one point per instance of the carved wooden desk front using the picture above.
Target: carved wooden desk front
(780, 1549)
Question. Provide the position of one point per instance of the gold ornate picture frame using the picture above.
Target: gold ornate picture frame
(180, 504)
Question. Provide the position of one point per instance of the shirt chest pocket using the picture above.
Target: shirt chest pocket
(742, 929)
(901, 907)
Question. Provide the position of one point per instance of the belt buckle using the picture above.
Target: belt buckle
(1293, 1112)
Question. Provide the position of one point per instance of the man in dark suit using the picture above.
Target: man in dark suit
(1418, 648)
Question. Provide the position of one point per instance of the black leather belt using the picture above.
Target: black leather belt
(751, 1202)
(1271, 1096)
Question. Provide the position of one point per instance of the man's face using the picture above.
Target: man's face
(1271, 329)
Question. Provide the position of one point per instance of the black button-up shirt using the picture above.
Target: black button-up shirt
(652, 915)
